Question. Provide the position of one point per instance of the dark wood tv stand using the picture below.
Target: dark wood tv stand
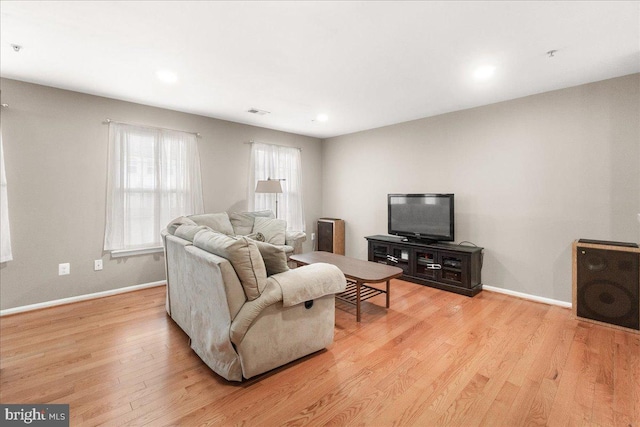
(450, 267)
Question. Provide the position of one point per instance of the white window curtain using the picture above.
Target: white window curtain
(153, 177)
(5, 235)
(285, 164)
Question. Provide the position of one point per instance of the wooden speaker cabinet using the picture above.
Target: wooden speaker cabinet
(606, 284)
(331, 235)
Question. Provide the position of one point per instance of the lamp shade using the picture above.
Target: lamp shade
(269, 186)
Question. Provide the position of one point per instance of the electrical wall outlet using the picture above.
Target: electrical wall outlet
(64, 269)
(313, 236)
(97, 265)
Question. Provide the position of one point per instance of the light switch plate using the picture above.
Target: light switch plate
(97, 265)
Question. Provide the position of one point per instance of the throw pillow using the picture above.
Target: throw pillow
(216, 221)
(273, 229)
(274, 257)
(259, 237)
(242, 222)
(244, 256)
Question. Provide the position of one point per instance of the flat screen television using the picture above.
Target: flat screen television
(426, 217)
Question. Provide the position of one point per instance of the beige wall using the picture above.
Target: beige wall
(529, 175)
(55, 146)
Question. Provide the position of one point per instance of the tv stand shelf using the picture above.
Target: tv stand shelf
(449, 267)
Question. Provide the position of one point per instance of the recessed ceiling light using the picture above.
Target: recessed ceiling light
(167, 76)
(322, 117)
(484, 72)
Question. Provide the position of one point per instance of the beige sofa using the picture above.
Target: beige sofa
(244, 310)
(254, 224)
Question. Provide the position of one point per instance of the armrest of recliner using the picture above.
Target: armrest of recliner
(295, 240)
(291, 287)
(309, 282)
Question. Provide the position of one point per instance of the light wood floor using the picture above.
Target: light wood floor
(434, 358)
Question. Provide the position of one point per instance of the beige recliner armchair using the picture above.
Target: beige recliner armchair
(244, 310)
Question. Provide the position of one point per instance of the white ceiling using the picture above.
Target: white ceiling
(364, 64)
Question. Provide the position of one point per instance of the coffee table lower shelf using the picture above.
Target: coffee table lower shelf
(350, 294)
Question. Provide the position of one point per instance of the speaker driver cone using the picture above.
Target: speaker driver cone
(606, 299)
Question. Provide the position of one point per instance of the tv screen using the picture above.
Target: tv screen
(421, 216)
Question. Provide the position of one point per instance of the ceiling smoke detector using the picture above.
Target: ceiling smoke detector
(258, 112)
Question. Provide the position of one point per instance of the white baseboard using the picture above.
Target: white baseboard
(527, 296)
(85, 297)
(78, 298)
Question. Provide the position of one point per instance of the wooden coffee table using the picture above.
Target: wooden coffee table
(357, 272)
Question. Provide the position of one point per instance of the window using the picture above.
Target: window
(153, 177)
(283, 163)
(5, 235)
